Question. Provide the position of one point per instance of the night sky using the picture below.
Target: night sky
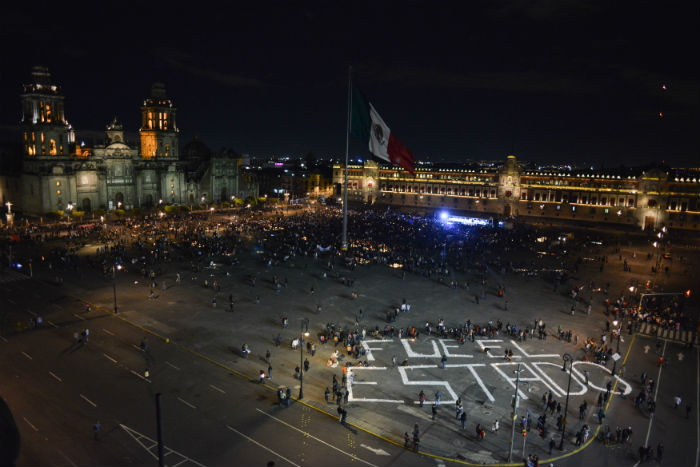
(566, 81)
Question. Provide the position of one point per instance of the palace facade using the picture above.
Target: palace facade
(58, 174)
(645, 199)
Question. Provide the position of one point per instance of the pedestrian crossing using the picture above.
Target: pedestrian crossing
(678, 335)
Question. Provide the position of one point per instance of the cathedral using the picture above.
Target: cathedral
(57, 174)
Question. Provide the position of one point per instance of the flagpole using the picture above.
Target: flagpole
(347, 148)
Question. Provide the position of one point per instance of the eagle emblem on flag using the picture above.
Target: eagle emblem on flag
(378, 133)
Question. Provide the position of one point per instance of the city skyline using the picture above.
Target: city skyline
(566, 83)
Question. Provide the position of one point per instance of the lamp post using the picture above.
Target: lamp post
(567, 358)
(114, 283)
(617, 325)
(515, 403)
(304, 333)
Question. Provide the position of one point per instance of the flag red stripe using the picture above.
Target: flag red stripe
(398, 154)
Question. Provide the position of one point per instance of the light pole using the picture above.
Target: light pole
(616, 330)
(567, 358)
(114, 283)
(514, 415)
(304, 333)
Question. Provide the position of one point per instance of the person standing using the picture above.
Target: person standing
(552, 443)
(96, 430)
(463, 419)
(327, 394)
(421, 398)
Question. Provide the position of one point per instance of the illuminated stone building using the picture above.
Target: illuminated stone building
(644, 199)
(57, 174)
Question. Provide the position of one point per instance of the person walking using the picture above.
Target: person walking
(434, 410)
(463, 419)
(96, 430)
(327, 394)
(269, 371)
(552, 443)
(421, 398)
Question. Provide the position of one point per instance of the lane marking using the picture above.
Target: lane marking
(14, 303)
(52, 324)
(68, 459)
(307, 434)
(27, 355)
(56, 377)
(262, 446)
(31, 312)
(137, 347)
(88, 401)
(30, 424)
(217, 389)
(109, 358)
(79, 317)
(186, 403)
(172, 366)
(377, 451)
(3, 339)
(108, 332)
(140, 376)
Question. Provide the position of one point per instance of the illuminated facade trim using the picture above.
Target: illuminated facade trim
(647, 200)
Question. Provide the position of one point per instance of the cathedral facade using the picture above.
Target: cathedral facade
(57, 174)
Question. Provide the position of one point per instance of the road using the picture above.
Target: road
(59, 389)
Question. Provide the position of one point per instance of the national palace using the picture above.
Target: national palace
(643, 198)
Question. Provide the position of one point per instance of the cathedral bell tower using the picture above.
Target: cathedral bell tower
(46, 133)
(159, 133)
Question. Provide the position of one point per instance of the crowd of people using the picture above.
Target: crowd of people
(474, 259)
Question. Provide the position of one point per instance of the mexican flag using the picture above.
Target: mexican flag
(367, 125)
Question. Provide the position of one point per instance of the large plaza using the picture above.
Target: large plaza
(454, 316)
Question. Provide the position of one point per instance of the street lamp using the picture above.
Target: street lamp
(567, 358)
(115, 267)
(304, 333)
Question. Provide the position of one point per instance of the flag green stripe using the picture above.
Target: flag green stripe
(361, 123)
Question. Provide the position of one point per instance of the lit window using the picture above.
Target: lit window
(58, 192)
(42, 136)
(58, 183)
(52, 147)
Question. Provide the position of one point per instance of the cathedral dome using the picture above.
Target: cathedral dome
(196, 149)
